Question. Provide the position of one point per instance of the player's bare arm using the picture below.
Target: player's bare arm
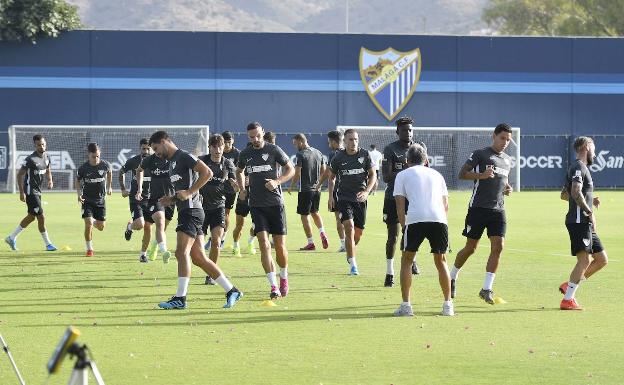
(331, 181)
(370, 183)
(288, 172)
(564, 194)
(295, 179)
(139, 176)
(49, 176)
(240, 181)
(78, 190)
(109, 182)
(20, 177)
(466, 173)
(204, 173)
(578, 197)
(234, 184)
(387, 174)
(400, 207)
(122, 184)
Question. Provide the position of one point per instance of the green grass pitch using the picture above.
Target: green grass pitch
(332, 328)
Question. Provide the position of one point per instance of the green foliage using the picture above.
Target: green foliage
(32, 19)
(556, 17)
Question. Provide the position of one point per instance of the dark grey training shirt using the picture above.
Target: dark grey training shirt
(488, 193)
(262, 164)
(157, 169)
(578, 172)
(352, 171)
(310, 160)
(182, 177)
(395, 154)
(213, 192)
(93, 180)
(233, 157)
(35, 167)
(131, 166)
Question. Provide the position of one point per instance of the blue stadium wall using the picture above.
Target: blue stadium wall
(553, 88)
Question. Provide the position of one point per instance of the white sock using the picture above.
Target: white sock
(284, 272)
(489, 281)
(183, 283)
(351, 261)
(89, 245)
(342, 242)
(236, 244)
(224, 282)
(45, 237)
(16, 232)
(310, 240)
(454, 272)
(129, 226)
(390, 266)
(571, 290)
(224, 235)
(448, 303)
(162, 247)
(321, 230)
(272, 279)
(251, 239)
(143, 253)
(406, 304)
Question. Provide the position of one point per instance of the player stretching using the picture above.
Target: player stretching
(33, 168)
(261, 161)
(138, 208)
(213, 194)
(309, 166)
(188, 174)
(581, 222)
(93, 182)
(489, 168)
(394, 161)
(229, 152)
(356, 178)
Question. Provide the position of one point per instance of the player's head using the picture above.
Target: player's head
(228, 140)
(93, 153)
(334, 139)
(161, 144)
(145, 147)
(216, 145)
(351, 140)
(300, 141)
(416, 155)
(40, 143)
(585, 147)
(404, 129)
(501, 137)
(269, 137)
(255, 133)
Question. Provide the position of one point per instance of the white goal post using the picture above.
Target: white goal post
(67, 147)
(448, 147)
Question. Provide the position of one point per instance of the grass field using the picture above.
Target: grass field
(332, 328)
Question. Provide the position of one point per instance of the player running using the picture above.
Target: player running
(229, 152)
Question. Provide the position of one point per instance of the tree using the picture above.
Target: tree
(556, 17)
(31, 19)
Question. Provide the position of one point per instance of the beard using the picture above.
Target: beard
(590, 159)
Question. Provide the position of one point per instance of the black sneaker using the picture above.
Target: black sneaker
(452, 288)
(389, 282)
(487, 296)
(128, 234)
(415, 269)
(231, 297)
(174, 303)
(210, 281)
(143, 259)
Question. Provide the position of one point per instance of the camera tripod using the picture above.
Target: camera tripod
(80, 374)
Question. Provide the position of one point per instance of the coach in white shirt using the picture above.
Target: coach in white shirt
(426, 217)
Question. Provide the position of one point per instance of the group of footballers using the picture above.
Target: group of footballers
(205, 189)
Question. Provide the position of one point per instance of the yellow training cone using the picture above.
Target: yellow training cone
(65, 248)
(499, 300)
(268, 303)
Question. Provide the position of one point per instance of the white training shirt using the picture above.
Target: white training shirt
(376, 158)
(424, 188)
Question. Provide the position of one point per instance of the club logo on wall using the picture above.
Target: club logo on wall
(390, 78)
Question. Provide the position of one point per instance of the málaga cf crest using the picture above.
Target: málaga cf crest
(390, 78)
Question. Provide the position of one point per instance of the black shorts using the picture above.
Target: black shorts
(138, 209)
(583, 238)
(353, 210)
(271, 219)
(308, 202)
(155, 206)
(229, 201)
(242, 207)
(190, 222)
(33, 202)
(435, 232)
(94, 210)
(213, 218)
(335, 208)
(390, 216)
(479, 218)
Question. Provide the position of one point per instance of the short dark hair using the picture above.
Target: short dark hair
(403, 120)
(300, 137)
(372, 146)
(582, 141)
(93, 147)
(416, 154)
(350, 131)
(269, 136)
(158, 136)
(335, 135)
(253, 126)
(502, 127)
(37, 137)
(227, 136)
(143, 141)
(215, 140)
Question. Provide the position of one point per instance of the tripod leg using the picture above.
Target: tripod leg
(79, 377)
(96, 373)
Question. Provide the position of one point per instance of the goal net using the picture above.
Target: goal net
(448, 148)
(67, 147)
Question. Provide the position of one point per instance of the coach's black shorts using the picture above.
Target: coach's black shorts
(352, 210)
(229, 201)
(94, 210)
(335, 195)
(583, 238)
(33, 202)
(138, 209)
(155, 206)
(213, 218)
(271, 219)
(390, 216)
(479, 218)
(435, 232)
(308, 202)
(242, 207)
(190, 222)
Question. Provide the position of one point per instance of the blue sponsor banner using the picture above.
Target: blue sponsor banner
(608, 168)
(4, 156)
(543, 161)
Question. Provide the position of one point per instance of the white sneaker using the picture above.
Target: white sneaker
(404, 311)
(447, 310)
